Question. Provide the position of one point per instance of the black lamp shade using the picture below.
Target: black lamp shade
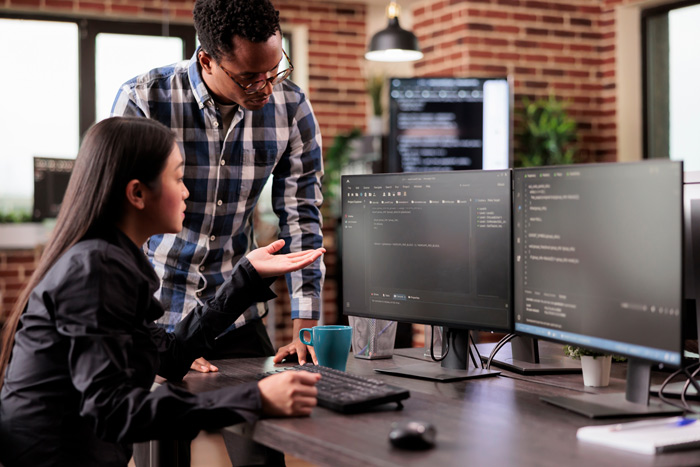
(394, 44)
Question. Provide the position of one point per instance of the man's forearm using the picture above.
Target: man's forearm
(299, 324)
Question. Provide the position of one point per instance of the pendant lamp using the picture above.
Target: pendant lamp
(393, 43)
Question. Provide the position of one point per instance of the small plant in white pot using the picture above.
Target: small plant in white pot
(595, 365)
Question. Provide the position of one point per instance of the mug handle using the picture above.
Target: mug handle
(301, 336)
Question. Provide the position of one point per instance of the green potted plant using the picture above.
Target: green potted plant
(548, 133)
(595, 365)
(337, 157)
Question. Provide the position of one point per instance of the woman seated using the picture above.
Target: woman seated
(81, 350)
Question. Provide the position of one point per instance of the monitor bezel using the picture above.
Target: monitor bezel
(682, 256)
(441, 322)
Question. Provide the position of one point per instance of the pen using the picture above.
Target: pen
(667, 422)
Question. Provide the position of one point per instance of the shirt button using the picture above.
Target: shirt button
(219, 203)
(216, 124)
(223, 162)
(212, 238)
(201, 268)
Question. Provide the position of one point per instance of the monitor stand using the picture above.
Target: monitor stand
(635, 401)
(525, 358)
(454, 367)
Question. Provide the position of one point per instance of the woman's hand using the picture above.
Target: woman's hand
(203, 366)
(291, 393)
(268, 264)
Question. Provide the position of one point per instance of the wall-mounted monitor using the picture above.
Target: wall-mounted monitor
(439, 124)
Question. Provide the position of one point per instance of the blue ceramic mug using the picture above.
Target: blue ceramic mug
(331, 344)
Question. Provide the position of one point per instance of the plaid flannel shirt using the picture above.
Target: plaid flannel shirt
(225, 174)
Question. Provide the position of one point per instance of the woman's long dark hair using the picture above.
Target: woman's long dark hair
(114, 152)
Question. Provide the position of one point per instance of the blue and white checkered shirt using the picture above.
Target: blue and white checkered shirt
(225, 174)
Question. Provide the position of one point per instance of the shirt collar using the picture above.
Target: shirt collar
(199, 89)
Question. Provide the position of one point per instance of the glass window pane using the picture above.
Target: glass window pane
(120, 57)
(40, 107)
(684, 92)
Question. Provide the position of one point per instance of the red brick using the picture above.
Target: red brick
(564, 34)
(480, 27)
(535, 4)
(21, 258)
(552, 45)
(526, 44)
(580, 22)
(508, 29)
(25, 3)
(496, 14)
(525, 71)
(536, 32)
(536, 58)
(501, 70)
(564, 60)
(553, 19)
(552, 72)
(578, 73)
(497, 42)
(524, 17)
(61, 4)
(508, 56)
(13, 273)
(564, 85)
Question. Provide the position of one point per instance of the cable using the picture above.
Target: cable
(445, 344)
(691, 379)
(683, 405)
(476, 349)
(498, 347)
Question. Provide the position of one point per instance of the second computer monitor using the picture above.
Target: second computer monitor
(599, 259)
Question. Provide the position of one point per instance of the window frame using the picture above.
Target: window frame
(645, 16)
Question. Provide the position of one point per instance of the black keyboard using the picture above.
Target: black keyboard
(346, 393)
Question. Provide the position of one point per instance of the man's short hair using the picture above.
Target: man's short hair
(217, 21)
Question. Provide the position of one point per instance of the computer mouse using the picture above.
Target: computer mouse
(413, 435)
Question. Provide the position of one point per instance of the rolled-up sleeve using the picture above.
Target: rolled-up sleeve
(297, 199)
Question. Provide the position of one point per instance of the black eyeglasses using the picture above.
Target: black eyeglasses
(259, 85)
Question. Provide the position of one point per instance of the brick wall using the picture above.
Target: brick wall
(563, 47)
(16, 266)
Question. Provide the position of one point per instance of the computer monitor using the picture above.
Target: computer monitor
(51, 178)
(599, 264)
(439, 124)
(691, 267)
(430, 248)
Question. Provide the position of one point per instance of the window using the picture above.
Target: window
(66, 73)
(40, 102)
(671, 63)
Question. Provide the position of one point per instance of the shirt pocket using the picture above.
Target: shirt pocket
(256, 167)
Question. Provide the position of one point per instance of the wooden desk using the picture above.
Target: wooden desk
(496, 421)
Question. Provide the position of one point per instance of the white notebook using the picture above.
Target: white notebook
(646, 437)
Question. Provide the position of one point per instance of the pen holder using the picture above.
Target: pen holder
(372, 338)
(437, 341)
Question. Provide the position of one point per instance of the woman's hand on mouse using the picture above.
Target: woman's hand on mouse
(291, 393)
(268, 264)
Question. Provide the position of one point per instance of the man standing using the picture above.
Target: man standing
(238, 121)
